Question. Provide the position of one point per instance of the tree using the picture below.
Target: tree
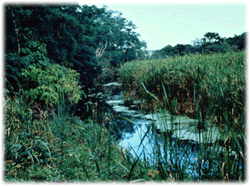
(62, 37)
(117, 40)
(212, 42)
(238, 41)
(211, 37)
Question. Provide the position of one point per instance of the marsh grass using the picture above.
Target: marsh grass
(215, 83)
(68, 149)
(63, 148)
(216, 159)
(186, 160)
(209, 88)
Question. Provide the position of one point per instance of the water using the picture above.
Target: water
(175, 141)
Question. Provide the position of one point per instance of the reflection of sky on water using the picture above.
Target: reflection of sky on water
(179, 146)
(180, 152)
(143, 143)
(133, 141)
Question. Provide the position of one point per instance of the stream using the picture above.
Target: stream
(173, 140)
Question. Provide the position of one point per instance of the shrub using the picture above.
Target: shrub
(49, 84)
(33, 52)
(26, 140)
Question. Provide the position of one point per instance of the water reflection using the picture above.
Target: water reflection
(174, 142)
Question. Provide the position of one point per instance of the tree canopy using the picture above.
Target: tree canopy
(211, 42)
(75, 36)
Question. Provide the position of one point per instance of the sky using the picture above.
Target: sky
(163, 24)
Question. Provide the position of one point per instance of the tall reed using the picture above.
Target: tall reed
(214, 157)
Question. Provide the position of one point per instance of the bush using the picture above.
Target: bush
(33, 52)
(49, 84)
(26, 140)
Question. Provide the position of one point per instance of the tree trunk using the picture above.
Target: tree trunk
(16, 31)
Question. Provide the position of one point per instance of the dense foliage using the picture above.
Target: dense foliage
(215, 83)
(54, 83)
(53, 56)
(56, 59)
(209, 88)
(211, 43)
(63, 149)
(75, 36)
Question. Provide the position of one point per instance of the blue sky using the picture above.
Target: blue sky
(162, 24)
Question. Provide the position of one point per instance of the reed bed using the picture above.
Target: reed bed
(207, 86)
(210, 88)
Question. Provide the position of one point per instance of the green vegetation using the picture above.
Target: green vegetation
(52, 61)
(52, 82)
(208, 159)
(211, 43)
(63, 148)
(210, 88)
(215, 83)
(57, 127)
